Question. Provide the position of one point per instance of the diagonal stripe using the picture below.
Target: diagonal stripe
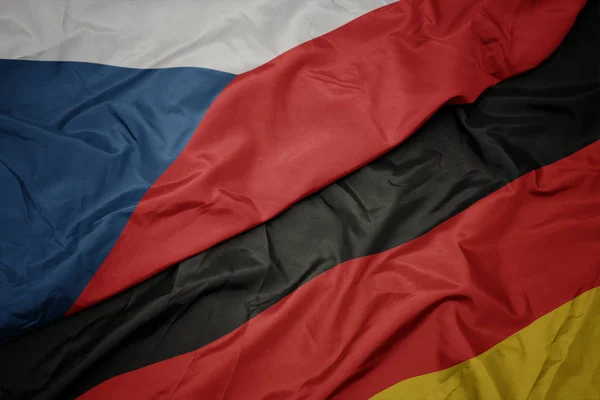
(556, 357)
(372, 322)
(319, 112)
(461, 155)
(227, 35)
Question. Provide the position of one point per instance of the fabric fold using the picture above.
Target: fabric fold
(320, 111)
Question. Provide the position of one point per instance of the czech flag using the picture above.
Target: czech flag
(283, 199)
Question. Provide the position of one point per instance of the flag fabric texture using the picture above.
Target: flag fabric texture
(281, 199)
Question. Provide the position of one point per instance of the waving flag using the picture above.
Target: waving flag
(462, 264)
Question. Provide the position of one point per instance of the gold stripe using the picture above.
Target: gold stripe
(556, 357)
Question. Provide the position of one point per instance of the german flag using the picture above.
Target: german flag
(404, 207)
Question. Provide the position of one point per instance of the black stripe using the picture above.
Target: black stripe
(461, 155)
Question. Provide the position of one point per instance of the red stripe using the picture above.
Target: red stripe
(323, 109)
(438, 300)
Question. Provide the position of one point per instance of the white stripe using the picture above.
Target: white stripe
(228, 35)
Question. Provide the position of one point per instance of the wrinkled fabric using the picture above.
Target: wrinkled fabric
(227, 35)
(312, 115)
(80, 144)
(463, 154)
(561, 361)
(308, 116)
(83, 142)
(423, 306)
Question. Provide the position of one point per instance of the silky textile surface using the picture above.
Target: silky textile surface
(445, 308)
(227, 153)
(82, 143)
(431, 256)
(53, 229)
(561, 362)
(325, 108)
(227, 35)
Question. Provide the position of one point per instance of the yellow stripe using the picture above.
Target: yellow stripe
(556, 357)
